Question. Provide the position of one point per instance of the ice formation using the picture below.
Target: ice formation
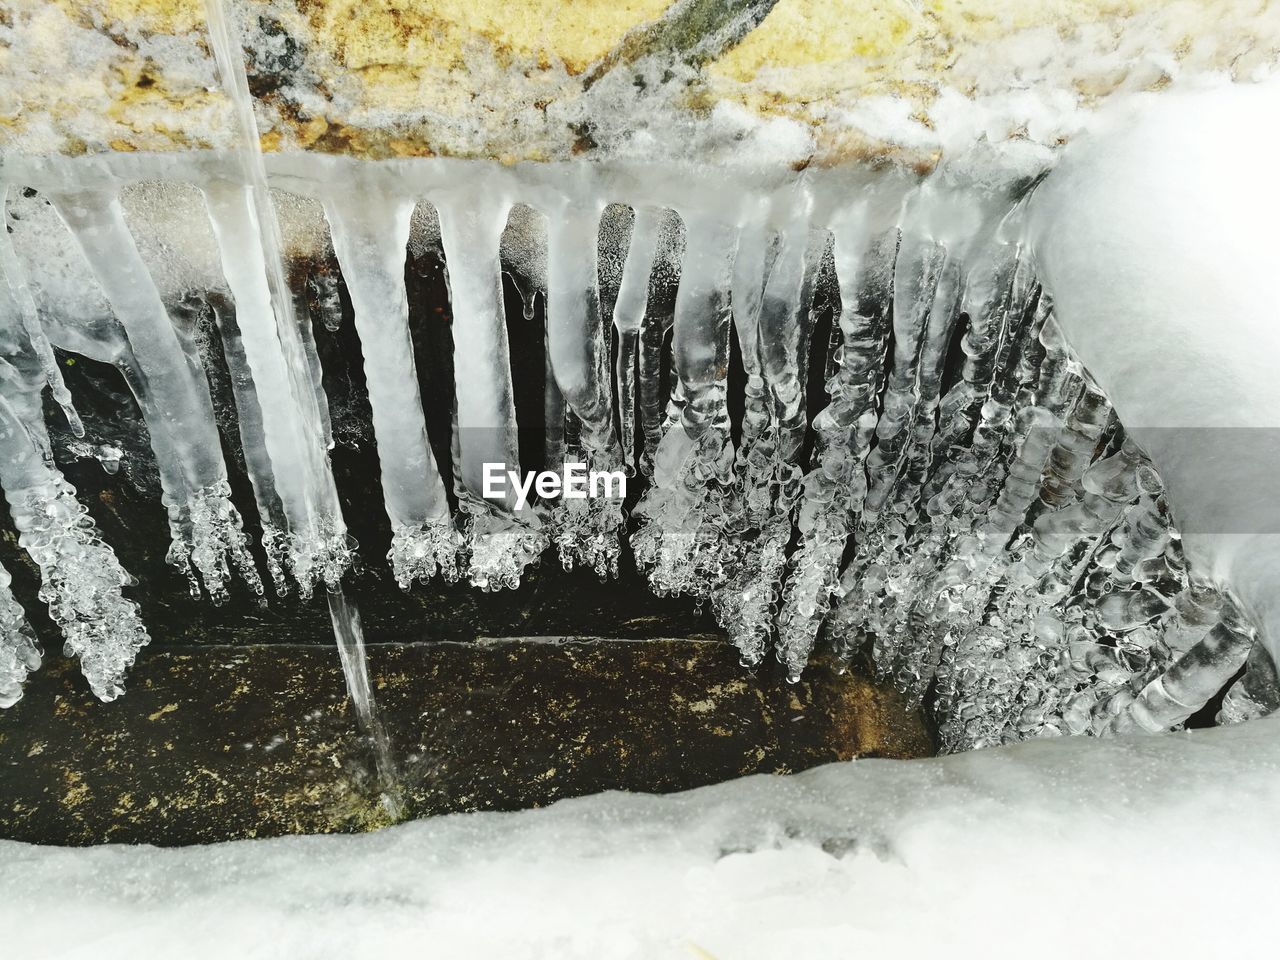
(939, 484)
(19, 652)
(80, 577)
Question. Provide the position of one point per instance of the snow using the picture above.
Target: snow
(1161, 846)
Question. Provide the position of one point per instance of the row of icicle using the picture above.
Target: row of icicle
(982, 528)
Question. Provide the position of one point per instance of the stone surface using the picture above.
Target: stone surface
(531, 79)
(214, 743)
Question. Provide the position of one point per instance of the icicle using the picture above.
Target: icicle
(919, 264)
(80, 576)
(834, 489)
(629, 315)
(319, 547)
(664, 282)
(174, 395)
(323, 290)
(768, 479)
(18, 308)
(1256, 693)
(502, 539)
(1189, 684)
(249, 417)
(679, 540)
(370, 230)
(20, 653)
(786, 324)
(585, 531)
(751, 268)
(274, 358)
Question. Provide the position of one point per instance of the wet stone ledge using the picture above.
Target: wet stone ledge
(222, 742)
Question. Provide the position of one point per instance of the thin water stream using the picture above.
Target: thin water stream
(316, 519)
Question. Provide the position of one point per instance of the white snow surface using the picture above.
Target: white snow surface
(1158, 846)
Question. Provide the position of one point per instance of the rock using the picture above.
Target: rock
(216, 743)
(522, 80)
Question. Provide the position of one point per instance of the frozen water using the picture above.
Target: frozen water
(81, 579)
(19, 651)
(952, 484)
(502, 539)
(370, 233)
(168, 380)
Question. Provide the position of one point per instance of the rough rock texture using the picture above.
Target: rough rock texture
(802, 80)
(222, 742)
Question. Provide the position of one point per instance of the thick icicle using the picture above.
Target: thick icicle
(586, 530)
(1256, 693)
(19, 652)
(774, 424)
(249, 417)
(320, 549)
(1188, 685)
(682, 517)
(502, 539)
(170, 384)
(834, 490)
(273, 352)
(18, 308)
(80, 576)
(370, 231)
(664, 282)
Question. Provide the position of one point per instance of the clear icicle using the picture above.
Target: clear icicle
(19, 308)
(19, 651)
(1188, 685)
(751, 268)
(678, 543)
(768, 479)
(628, 318)
(273, 355)
(80, 576)
(835, 487)
(174, 395)
(249, 416)
(585, 531)
(664, 282)
(320, 549)
(502, 539)
(1257, 692)
(370, 232)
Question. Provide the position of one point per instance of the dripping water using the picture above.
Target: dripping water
(343, 611)
(349, 634)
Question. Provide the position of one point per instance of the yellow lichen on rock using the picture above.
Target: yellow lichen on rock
(101, 75)
(509, 79)
(816, 33)
(153, 16)
(434, 34)
(808, 49)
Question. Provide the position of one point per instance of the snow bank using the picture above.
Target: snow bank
(1157, 846)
